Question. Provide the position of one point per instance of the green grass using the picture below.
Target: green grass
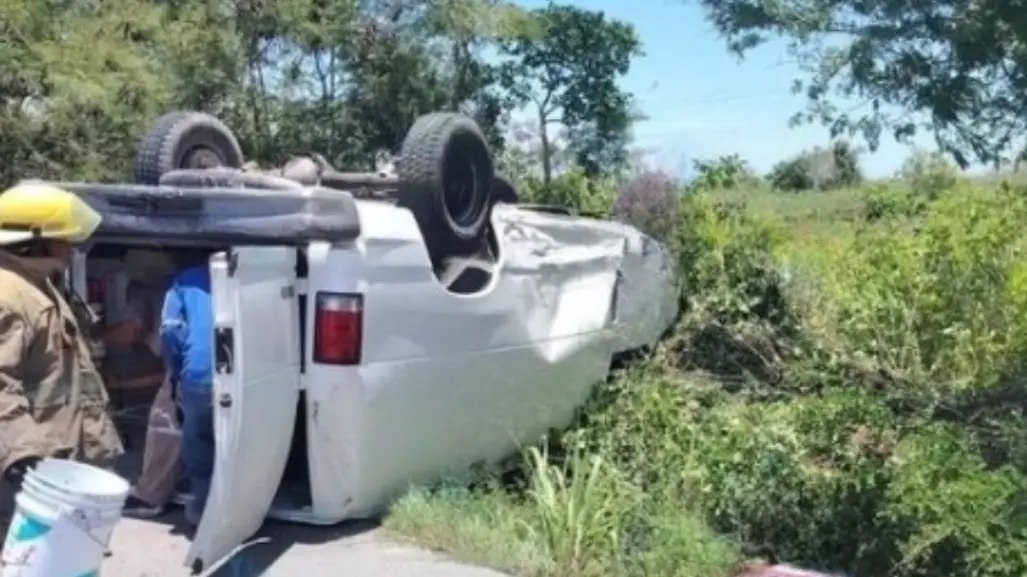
(568, 522)
(492, 530)
(485, 529)
(830, 205)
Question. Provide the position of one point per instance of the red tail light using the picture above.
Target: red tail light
(338, 328)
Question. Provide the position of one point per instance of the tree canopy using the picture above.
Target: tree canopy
(81, 81)
(565, 62)
(957, 68)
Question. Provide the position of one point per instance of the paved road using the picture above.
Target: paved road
(158, 549)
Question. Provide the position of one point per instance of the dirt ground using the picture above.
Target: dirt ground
(158, 549)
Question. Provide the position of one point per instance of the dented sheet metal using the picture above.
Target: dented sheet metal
(571, 268)
(449, 380)
(646, 299)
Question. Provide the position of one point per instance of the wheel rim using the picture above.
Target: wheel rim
(460, 194)
(202, 157)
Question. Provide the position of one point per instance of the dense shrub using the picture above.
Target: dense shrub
(649, 201)
(938, 301)
(891, 467)
(818, 169)
(929, 173)
(723, 173)
(922, 178)
(882, 201)
(792, 175)
(571, 189)
(726, 262)
(862, 413)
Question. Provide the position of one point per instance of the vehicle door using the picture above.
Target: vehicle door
(256, 390)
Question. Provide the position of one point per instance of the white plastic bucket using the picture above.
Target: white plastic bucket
(65, 514)
(94, 484)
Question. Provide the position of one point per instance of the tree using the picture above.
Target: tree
(819, 168)
(76, 87)
(81, 81)
(602, 145)
(960, 64)
(565, 63)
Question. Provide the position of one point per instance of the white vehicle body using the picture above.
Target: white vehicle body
(440, 381)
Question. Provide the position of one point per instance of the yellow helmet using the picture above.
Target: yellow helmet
(39, 210)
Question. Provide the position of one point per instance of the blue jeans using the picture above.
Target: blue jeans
(197, 442)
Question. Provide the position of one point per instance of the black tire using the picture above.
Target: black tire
(184, 139)
(445, 179)
(503, 190)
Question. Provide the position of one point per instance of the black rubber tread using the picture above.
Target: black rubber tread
(421, 187)
(503, 190)
(148, 149)
(174, 134)
(226, 178)
(421, 168)
(425, 121)
(420, 162)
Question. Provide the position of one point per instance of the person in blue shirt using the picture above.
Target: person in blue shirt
(187, 338)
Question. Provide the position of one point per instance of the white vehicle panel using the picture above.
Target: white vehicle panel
(449, 380)
(255, 393)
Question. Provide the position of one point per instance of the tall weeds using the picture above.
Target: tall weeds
(848, 394)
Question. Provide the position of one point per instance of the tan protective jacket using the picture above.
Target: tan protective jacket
(52, 399)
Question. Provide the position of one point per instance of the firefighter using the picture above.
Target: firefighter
(52, 400)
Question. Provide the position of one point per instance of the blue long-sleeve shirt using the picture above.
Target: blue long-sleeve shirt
(187, 329)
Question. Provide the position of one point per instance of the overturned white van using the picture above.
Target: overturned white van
(373, 332)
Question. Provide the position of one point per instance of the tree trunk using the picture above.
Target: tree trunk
(547, 154)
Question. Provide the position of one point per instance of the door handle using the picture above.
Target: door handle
(224, 350)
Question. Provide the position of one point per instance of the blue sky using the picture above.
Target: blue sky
(703, 102)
